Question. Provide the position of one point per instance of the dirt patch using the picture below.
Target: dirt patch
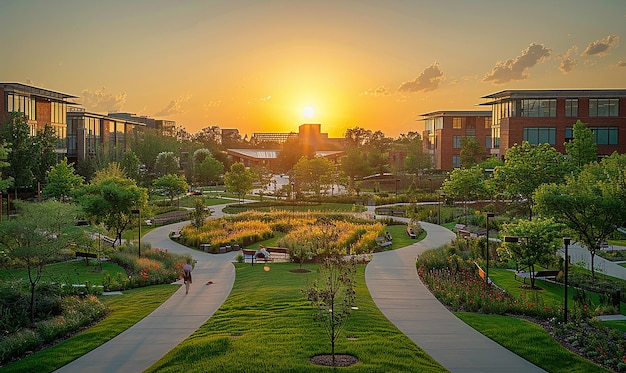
(340, 360)
(528, 287)
(300, 270)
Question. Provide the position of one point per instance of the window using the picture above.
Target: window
(495, 135)
(457, 123)
(571, 107)
(456, 161)
(456, 142)
(488, 142)
(540, 135)
(603, 107)
(487, 122)
(58, 112)
(534, 108)
(601, 135)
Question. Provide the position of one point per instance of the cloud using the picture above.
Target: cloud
(515, 69)
(260, 99)
(620, 63)
(380, 91)
(211, 104)
(428, 80)
(29, 81)
(103, 102)
(601, 47)
(174, 107)
(567, 61)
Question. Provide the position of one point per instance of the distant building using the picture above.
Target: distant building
(547, 116)
(40, 107)
(444, 131)
(267, 158)
(309, 136)
(90, 134)
(163, 126)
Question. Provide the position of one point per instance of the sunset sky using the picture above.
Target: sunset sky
(269, 66)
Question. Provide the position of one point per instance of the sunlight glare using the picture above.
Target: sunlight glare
(308, 112)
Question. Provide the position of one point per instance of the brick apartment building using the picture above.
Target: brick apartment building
(444, 131)
(547, 116)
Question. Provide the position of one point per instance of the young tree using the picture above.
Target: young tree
(111, 200)
(332, 295)
(314, 174)
(131, 165)
(472, 152)
(199, 213)
(36, 237)
(354, 165)
(22, 157)
(62, 180)
(464, 184)
(209, 170)
(166, 163)
(7, 182)
(172, 185)
(581, 149)
(525, 168)
(239, 180)
(591, 204)
(538, 241)
(45, 148)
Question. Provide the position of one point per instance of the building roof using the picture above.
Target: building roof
(457, 113)
(553, 93)
(35, 91)
(271, 153)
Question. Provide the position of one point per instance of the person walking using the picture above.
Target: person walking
(187, 268)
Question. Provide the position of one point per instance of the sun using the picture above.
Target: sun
(308, 112)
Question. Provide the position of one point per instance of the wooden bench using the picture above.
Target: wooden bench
(279, 250)
(460, 227)
(249, 254)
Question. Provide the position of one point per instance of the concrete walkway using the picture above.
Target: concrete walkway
(579, 255)
(139, 347)
(398, 292)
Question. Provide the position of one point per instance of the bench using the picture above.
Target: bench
(383, 242)
(86, 256)
(249, 254)
(175, 235)
(460, 227)
(547, 274)
(399, 212)
(410, 232)
(278, 250)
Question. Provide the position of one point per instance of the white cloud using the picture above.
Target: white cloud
(516, 68)
(620, 64)
(601, 47)
(103, 102)
(174, 107)
(568, 62)
(428, 80)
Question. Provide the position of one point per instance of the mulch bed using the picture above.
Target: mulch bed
(300, 270)
(340, 360)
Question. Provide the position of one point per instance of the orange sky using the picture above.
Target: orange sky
(255, 65)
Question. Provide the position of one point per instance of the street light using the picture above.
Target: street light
(293, 198)
(138, 212)
(442, 196)
(431, 184)
(489, 215)
(566, 242)
(397, 188)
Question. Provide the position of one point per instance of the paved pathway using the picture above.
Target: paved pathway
(143, 344)
(398, 292)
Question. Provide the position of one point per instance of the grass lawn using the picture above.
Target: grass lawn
(400, 238)
(74, 272)
(529, 341)
(127, 309)
(266, 325)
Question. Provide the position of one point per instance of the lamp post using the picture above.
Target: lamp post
(138, 212)
(566, 242)
(431, 184)
(397, 188)
(442, 196)
(293, 198)
(489, 215)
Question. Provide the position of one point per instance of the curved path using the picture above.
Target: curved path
(139, 347)
(391, 278)
(397, 290)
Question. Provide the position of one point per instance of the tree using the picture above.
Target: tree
(465, 184)
(591, 204)
(111, 200)
(148, 143)
(538, 241)
(37, 235)
(45, 147)
(354, 165)
(16, 132)
(290, 154)
(7, 182)
(357, 137)
(239, 180)
(62, 180)
(472, 152)
(131, 165)
(314, 174)
(172, 185)
(525, 168)
(209, 170)
(332, 295)
(582, 149)
(166, 163)
(199, 213)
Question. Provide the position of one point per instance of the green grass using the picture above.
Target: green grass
(75, 272)
(266, 325)
(529, 341)
(400, 238)
(126, 310)
(551, 294)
